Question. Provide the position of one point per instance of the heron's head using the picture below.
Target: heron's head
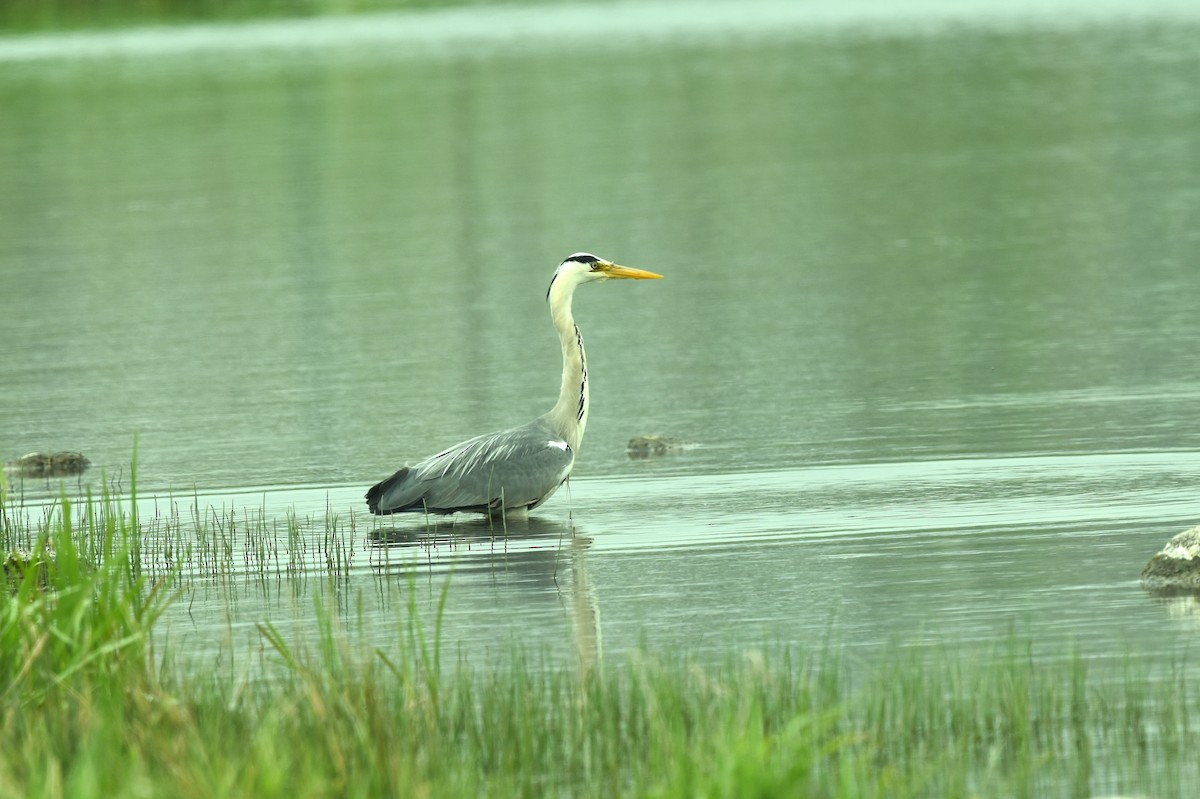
(583, 267)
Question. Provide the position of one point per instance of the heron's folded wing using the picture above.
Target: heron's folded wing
(514, 467)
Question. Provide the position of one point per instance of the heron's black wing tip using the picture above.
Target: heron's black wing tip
(375, 493)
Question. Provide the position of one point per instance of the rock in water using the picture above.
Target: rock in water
(652, 446)
(48, 464)
(1177, 566)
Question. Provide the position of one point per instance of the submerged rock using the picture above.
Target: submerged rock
(652, 446)
(1177, 565)
(48, 464)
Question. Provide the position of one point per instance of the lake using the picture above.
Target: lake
(928, 323)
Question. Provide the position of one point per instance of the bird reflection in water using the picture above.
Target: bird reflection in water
(527, 553)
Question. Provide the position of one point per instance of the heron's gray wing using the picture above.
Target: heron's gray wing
(516, 468)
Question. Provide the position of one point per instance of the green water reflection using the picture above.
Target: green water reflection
(303, 268)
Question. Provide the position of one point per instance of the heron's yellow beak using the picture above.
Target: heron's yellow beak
(613, 270)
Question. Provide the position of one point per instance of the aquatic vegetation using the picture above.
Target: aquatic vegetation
(90, 708)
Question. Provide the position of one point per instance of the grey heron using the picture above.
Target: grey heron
(512, 470)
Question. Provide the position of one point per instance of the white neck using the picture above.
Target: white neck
(569, 415)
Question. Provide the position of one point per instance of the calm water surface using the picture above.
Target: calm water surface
(928, 323)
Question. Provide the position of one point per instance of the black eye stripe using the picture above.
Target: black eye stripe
(585, 258)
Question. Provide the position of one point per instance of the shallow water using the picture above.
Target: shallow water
(927, 552)
(928, 323)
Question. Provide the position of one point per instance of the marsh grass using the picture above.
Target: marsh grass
(89, 708)
(195, 542)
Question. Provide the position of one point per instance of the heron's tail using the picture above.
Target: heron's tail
(376, 492)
